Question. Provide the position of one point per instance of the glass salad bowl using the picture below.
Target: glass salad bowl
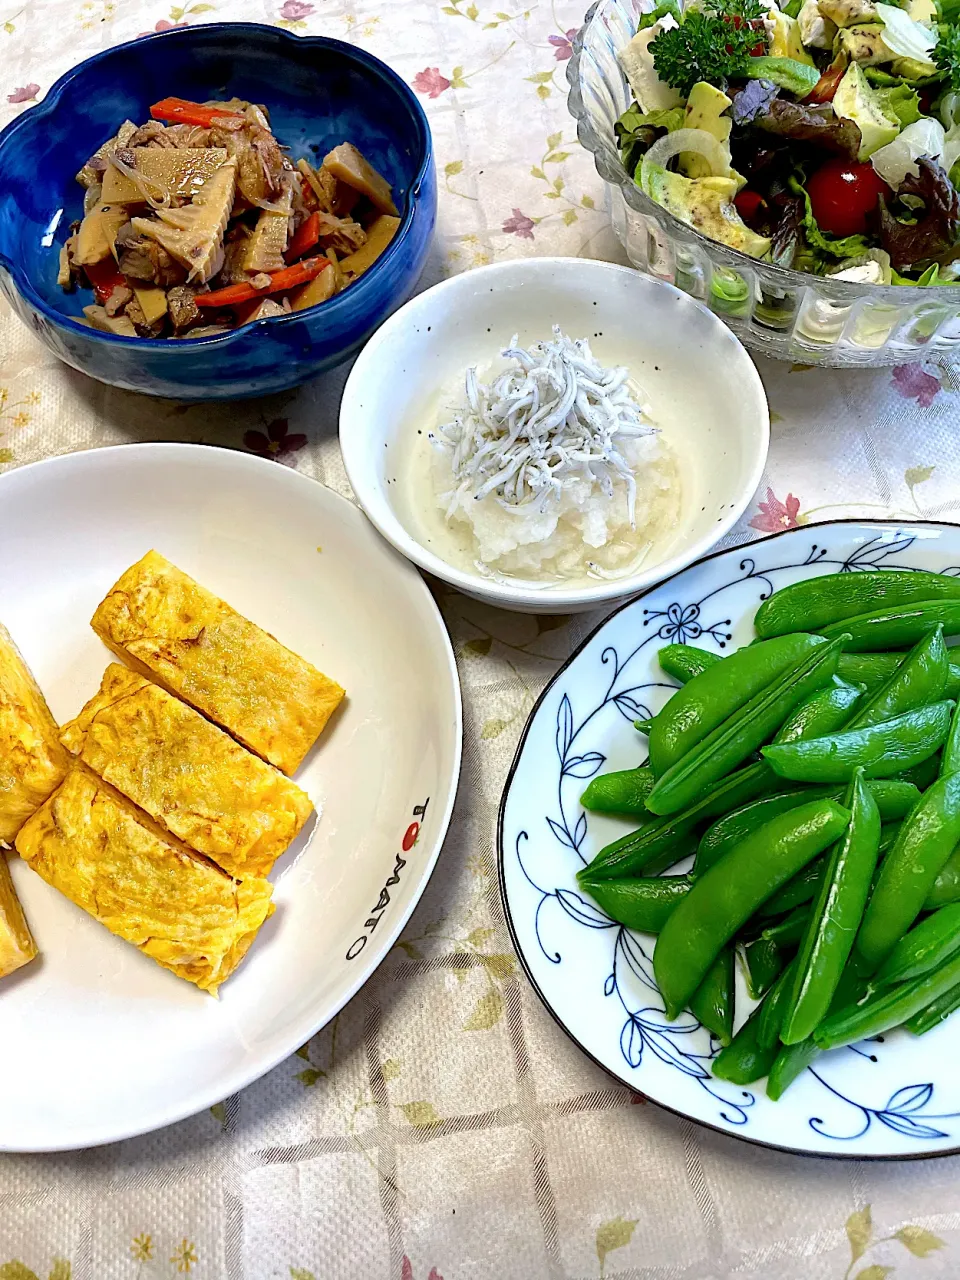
(789, 315)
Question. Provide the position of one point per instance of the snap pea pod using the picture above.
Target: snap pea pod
(897, 628)
(763, 962)
(744, 1059)
(641, 904)
(950, 757)
(881, 749)
(946, 887)
(684, 661)
(924, 948)
(712, 1002)
(894, 799)
(920, 679)
(924, 773)
(909, 871)
(805, 886)
(875, 669)
(716, 693)
(825, 711)
(732, 742)
(887, 1009)
(935, 1012)
(662, 838)
(836, 917)
(623, 791)
(793, 1059)
(727, 895)
(774, 1008)
(816, 603)
(788, 931)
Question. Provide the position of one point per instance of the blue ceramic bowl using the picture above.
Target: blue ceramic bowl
(319, 92)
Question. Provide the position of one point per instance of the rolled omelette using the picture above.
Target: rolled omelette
(32, 761)
(191, 777)
(171, 629)
(17, 946)
(102, 853)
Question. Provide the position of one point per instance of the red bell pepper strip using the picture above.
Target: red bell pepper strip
(105, 276)
(180, 111)
(280, 281)
(304, 238)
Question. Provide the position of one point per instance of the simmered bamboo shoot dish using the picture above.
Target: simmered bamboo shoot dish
(199, 221)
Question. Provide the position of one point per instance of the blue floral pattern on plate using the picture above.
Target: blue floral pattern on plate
(895, 1096)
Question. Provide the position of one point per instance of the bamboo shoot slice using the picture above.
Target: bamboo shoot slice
(379, 235)
(182, 171)
(346, 163)
(193, 235)
(319, 289)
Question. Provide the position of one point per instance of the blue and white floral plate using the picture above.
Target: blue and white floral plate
(895, 1097)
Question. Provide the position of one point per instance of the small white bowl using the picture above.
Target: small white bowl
(705, 393)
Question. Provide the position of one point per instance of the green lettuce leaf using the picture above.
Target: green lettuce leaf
(661, 11)
(901, 103)
(635, 131)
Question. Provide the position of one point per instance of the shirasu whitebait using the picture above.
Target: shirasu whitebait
(557, 418)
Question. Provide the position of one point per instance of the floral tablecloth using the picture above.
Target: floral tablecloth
(443, 1128)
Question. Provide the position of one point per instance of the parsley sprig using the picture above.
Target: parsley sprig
(711, 44)
(946, 55)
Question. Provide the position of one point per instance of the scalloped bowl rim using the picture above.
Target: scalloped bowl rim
(503, 593)
(839, 291)
(367, 281)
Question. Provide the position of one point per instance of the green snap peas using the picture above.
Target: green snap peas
(946, 887)
(816, 603)
(732, 742)
(897, 628)
(712, 1002)
(788, 931)
(923, 949)
(884, 1010)
(684, 661)
(920, 679)
(641, 904)
(793, 1059)
(935, 1012)
(950, 757)
(875, 669)
(668, 838)
(727, 895)
(882, 750)
(803, 888)
(774, 1008)
(624, 791)
(710, 698)
(894, 799)
(825, 711)
(926, 840)
(924, 773)
(744, 1059)
(833, 924)
(763, 962)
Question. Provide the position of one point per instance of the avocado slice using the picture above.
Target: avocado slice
(787, 73)
(787, 41)
(705, 108)
(707, 205)
(856, 101)
(864, 44)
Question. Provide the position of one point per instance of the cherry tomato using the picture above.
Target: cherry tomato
(843, 194)
(748, 203)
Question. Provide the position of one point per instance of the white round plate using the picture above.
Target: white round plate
(897, 1096)
(142, 1047)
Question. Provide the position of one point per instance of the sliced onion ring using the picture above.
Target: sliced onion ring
(680, 140)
